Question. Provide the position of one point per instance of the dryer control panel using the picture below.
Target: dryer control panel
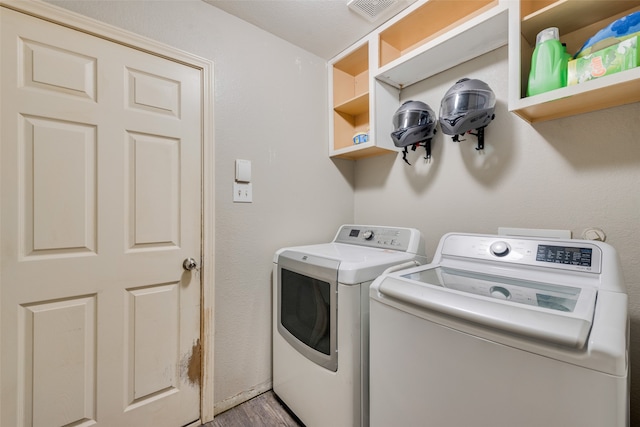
(396, 238)
(562, 254)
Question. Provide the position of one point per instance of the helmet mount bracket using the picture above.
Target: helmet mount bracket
(480, 136)
(427, 146)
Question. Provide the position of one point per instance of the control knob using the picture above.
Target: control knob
(368, 235)
(499, 292)
(499, 248)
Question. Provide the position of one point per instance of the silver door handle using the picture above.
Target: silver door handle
(189, 264)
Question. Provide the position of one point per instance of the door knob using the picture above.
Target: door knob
(189, 264)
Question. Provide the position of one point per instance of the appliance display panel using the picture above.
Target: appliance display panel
(565, 255)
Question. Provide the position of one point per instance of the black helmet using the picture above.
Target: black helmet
(467, 105)
(414, 122)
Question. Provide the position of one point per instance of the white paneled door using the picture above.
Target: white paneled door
(100, 179)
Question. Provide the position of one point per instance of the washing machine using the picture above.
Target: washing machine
(321, 320)
(502, 331)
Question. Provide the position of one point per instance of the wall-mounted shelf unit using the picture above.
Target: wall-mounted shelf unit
(438, 35)
(432, 36)
(352, 99)
(577, 21)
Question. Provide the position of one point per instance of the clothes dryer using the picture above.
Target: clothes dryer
(502, 331)
(321, 320)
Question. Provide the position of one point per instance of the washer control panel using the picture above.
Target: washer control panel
(562, 254)
(500, 248)
(396, 238)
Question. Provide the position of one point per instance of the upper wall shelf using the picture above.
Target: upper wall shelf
(568, 16)
(437, 36)
(577, 21)
(354, 105)
(429, 20)
(351, 106)
(432, 36)
(605, 92)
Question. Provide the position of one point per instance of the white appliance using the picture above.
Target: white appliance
(321, 318)
(501, 332)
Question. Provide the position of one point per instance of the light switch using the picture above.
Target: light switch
(243, 170)
(242, 192)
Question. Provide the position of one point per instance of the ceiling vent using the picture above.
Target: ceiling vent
(374, 10)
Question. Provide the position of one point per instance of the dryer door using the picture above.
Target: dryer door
(307, 306)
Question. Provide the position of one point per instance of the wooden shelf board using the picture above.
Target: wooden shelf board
(354, 106)
(356, 62)
(609, 91)
(570, 15)
(361, 151)
(477, 37)
(429, 21)
(527, 7)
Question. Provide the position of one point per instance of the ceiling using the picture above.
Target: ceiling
(322, 27)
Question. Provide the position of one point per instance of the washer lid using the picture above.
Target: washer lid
(549, 312)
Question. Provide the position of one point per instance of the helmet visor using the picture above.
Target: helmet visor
(409, 118)
(463, 102)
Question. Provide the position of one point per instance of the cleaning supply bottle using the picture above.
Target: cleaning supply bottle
(548, 64)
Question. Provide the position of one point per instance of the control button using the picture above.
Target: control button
(499, 292)
(368, 235)
(499, 248)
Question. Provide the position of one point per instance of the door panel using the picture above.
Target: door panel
(65, 331)
(58, 187)
(152, 182)
(54, 69)
(151, 356)
(100, 157)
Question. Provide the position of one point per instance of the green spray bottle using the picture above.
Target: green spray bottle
(548, 63)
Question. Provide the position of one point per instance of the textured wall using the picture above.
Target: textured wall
(571, 174)
(270, 108)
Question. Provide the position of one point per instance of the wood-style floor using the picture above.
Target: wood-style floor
(264, 410)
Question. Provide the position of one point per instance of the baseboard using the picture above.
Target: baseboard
(242, 397)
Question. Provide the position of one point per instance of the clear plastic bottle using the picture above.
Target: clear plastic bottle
(548, 64)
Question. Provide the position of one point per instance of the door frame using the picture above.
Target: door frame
(90, 26)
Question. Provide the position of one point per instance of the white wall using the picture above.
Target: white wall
(270, 108)
(571, 174)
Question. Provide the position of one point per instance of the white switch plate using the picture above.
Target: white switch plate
(243, 170)
(242, 192)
